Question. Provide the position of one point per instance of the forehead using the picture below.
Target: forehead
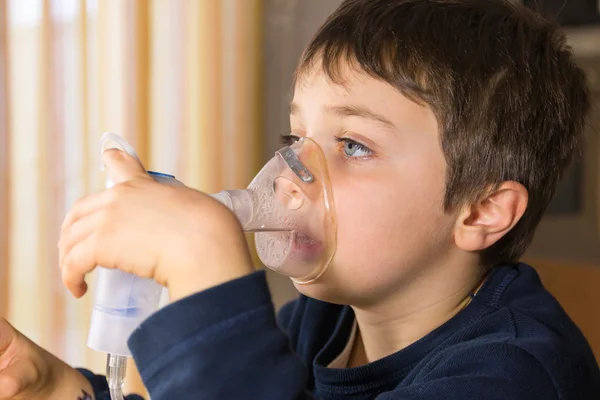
(317, 89)
(343, 78)
(349, 85)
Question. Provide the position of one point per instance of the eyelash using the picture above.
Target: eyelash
(288, 140)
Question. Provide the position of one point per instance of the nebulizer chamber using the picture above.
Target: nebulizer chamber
(289, 206)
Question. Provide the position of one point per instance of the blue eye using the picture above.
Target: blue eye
(354, 149)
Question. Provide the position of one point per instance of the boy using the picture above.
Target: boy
(447, 126)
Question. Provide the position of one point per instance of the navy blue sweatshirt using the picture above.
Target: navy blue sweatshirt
(513, 342)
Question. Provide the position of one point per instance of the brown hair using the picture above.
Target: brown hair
(510, 101)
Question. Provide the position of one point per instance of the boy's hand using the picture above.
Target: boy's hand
(178, 236)
(29, 372)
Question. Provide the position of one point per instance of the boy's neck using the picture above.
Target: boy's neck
(402, 319)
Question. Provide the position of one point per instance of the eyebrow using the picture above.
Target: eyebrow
(350, 111)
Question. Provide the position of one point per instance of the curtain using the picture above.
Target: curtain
(179, 79)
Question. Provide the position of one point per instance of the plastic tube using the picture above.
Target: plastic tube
(240, 202)
(116, 366)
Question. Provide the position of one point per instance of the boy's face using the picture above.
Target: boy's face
(387, 171)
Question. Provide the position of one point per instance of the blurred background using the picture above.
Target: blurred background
(200, 88)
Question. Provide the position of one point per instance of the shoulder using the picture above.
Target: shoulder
(537, 334)
(540, 325)
(505, 369)
(494, 369)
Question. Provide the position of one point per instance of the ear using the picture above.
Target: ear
(482, 224)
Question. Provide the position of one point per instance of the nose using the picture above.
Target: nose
(288, 193)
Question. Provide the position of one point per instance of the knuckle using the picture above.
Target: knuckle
(113, 194)
(7, 332)
(96, 238)
(78, 203)
(132, 184)
(103, 225)
(4, 325)
(73, 212)
(119, 191)
(9, 386)
(36, 372)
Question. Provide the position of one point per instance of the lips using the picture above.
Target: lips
(304, 242)
(305, 248)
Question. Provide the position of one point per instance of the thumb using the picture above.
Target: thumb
(122, 167)
(16, 378)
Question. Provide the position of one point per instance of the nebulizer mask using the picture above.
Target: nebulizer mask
(289, 207)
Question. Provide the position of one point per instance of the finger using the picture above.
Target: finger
(16, 379)
(84, 206)
(122, 167)
(78, 231)
(80, 260)
(7, 334)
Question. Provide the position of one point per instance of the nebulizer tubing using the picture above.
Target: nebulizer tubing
(116, 367)
(123, 301)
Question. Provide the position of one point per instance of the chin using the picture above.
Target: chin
(326, 288)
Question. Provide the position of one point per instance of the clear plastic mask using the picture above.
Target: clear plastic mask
(289, 206)
(296, 234)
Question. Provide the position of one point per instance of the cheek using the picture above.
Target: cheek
(388, 228)
(389, 219)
